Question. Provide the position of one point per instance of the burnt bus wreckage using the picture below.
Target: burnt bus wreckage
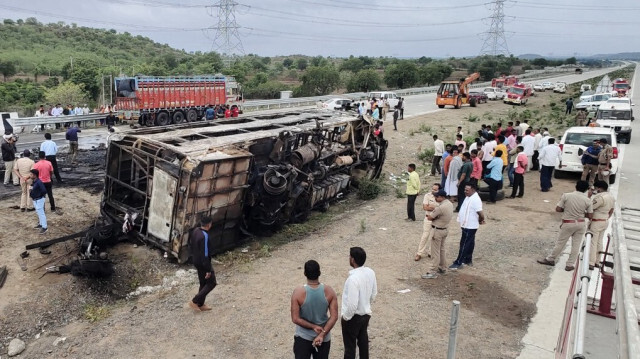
(247, 173)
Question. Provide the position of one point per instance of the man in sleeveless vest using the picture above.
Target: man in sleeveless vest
(309, 306)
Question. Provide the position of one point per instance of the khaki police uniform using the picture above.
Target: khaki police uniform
(424, 248)
(576, 205)
(604, 158)
(602, 204)
(439, 226)
(581, 118)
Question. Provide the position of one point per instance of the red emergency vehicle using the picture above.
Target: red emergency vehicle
(504, 81)
(518, 94)
(621, 86)
(174, 99)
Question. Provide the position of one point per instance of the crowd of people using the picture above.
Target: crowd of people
(378, 109)
(499, 154)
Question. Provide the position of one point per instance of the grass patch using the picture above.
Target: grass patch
(426, 155)
(95, 313)
(472, 118)
(363, 226)
(369, 189)
(423, 128)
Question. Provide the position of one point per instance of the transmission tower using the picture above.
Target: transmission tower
(495, 42)
(227, 39)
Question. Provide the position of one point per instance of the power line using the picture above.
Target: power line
(156, 4)
(362, 6)
(495, 42)
(607, 7)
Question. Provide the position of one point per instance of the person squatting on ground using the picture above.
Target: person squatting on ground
(309, 306)
(575, 207)
(470, 218)
(45, 168)
(37, 195)
(494, 177)
(22, 170)
(50, 150)
(199, 246)
(603, 206)
(413, 187)
(360, 290)
(429, 203)
(440, 218)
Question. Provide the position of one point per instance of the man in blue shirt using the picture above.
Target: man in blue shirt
(494, 178)
(201, 257)
(590, 162)
(38, 192)
(50, 150)
(210, 113)
(445, 154)
(72, 137)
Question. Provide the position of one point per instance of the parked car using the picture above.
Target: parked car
(585, 87)
(391, 97)
(547, 85)
(560, 87)
(494, 93)
(337, 104)
(538, 88)
(576, 140)
(592, 102)
(586, 95)
(479, 96)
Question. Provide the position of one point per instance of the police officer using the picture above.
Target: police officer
(603, 204)
(429, 203)
(604, 160)
(440, 218)
(574, 206)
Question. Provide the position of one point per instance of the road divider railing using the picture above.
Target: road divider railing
(29, 122)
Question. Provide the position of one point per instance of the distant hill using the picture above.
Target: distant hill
(618, 56)
(530, 56)
(47, 48)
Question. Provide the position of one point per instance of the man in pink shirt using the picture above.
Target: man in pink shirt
(476, 174)
(45, 169)
(522, 162)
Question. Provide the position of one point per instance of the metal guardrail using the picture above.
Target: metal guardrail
(626, 311)
(583, 294)
(34, 121)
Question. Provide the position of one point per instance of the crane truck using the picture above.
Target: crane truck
(456, 93)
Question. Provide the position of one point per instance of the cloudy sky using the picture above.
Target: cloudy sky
(399, 28)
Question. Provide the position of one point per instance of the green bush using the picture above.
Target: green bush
(426, 155)
(369, 189)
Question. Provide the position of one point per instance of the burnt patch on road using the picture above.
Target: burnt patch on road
(484, 297)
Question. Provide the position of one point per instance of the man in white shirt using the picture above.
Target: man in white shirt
(360, 290)
(85, 109)
(544, 141)
(470, 218)
(77, 110)
(528, 142)
(438, 151)
(57, 111)
(548, 157)
(487, 149)
(524, 126)
(50, 150)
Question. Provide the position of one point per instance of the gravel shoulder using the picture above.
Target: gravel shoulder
(250, 316)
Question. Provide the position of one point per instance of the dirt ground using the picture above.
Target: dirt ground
(250, 317)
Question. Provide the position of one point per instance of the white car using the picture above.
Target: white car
(336, 104)
(592, 102)
(617, 116)
(494, 93)
(547, 85)
(538, 88)
(391, 97)
(576, 140)
(560, 87)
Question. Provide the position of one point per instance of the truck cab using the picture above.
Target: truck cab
(621, 86)
(518, 94)
(504, 82)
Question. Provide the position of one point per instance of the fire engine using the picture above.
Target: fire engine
(518, 94)
(504, 81)
(621, 86)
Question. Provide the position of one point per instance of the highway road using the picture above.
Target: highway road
(414, 105)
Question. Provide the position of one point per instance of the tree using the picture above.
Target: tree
(571, 61)
(434, 72)
(84, 72)
(319, 81)
(542, 62)
(7, 68)
(302, 64)
(401, 75)
(352, 64)
(364, 81)
(319, 61)
(287, 63)
(67, 92)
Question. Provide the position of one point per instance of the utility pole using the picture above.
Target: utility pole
(495, 42)
(227, 39)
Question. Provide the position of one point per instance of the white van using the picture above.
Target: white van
(494, 93)
(576, 140)
(618, 116)
(391, 97)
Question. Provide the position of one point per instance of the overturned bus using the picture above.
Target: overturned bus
(247, 173)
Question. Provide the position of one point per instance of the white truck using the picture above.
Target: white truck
(617, 116)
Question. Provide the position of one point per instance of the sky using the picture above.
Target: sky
(339, 28)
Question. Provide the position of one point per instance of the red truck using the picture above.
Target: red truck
(174, 99)
(518, 94)
(621, 86)
(504, 81)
